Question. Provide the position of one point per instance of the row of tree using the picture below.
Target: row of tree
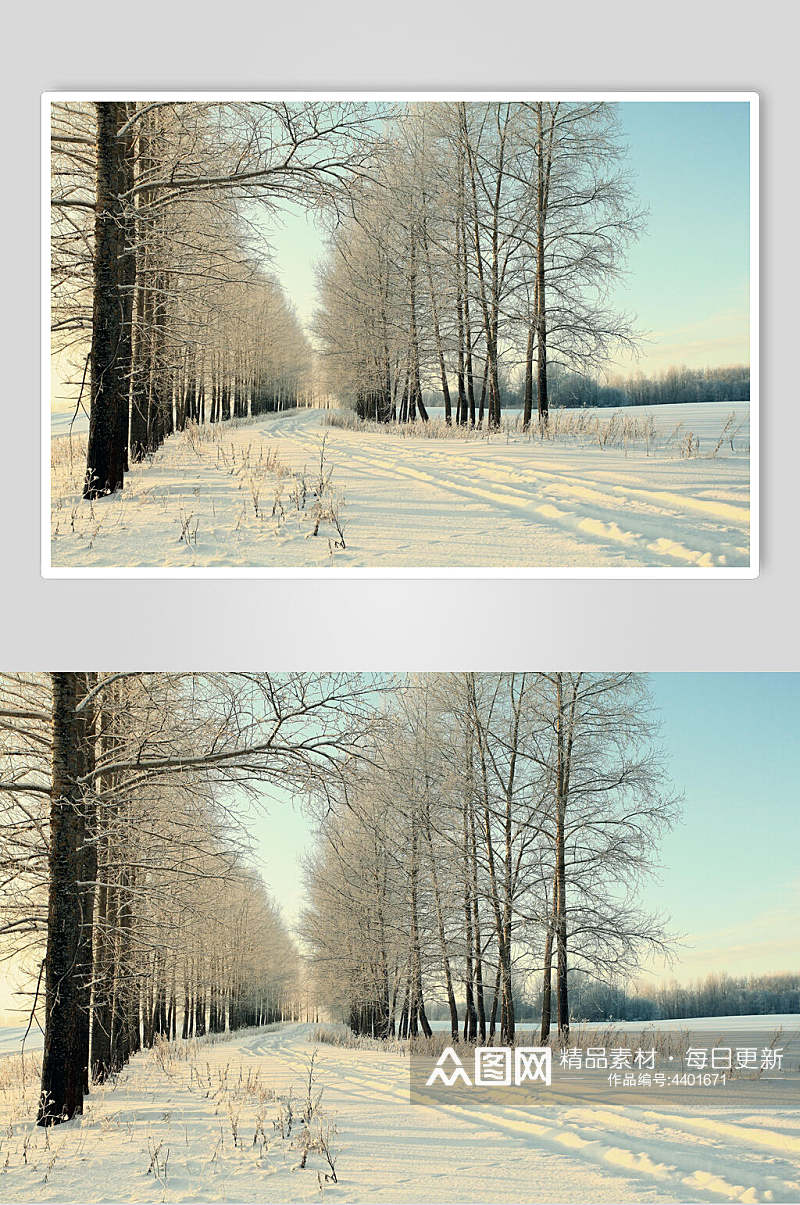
(124, 863)
(157, 254)
(498, 841)
(487, 235)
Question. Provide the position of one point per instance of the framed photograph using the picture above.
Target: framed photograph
(422, 334)
(388, 937)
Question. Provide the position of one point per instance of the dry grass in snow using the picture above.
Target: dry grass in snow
(211, 495)
(631, 429)
(223, 1120)
(195, 1120)
(661, 489)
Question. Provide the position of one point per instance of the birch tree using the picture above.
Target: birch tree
(506, 826)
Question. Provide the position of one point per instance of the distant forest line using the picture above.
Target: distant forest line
(673, 386)
(717, 995)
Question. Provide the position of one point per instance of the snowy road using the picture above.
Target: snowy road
(387, 1149)
(12, 1036)
(585, 1153)
(410, 502)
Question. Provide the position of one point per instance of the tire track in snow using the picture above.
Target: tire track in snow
(694, 1157)
(663, 549)
(548, 496)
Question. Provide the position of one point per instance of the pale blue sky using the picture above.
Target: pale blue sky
(688, 277)
(731, 869)
(730, 876)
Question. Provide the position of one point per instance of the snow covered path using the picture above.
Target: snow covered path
(387, 1150)
(585, 1153)
(426, 503)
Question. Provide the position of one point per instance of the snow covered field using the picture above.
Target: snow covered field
(242, 495)
(209, 1129)
(11, 1038)
(62, 422)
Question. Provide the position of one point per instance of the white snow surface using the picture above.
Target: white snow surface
(386, 1149)
(507, 502)
(62, 422)
(11, 1038)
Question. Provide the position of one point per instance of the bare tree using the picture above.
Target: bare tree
(134, 768)
(509, 820)
(141, 167)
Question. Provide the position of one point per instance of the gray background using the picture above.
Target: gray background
(399, 623)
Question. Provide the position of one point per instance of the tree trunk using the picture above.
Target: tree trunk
(470, 1018)
(565, 719)
(527, 407)
(68, 973)
(448, 977)
(544, 163)
(541, 338)
(547, 975)
(561, 936)
(461, 410)
(437, 334)
(143, 307)
(103, 973)
(476, 928)
(417, 1010)
(110, 356)
(88, 878)
(495, 998)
